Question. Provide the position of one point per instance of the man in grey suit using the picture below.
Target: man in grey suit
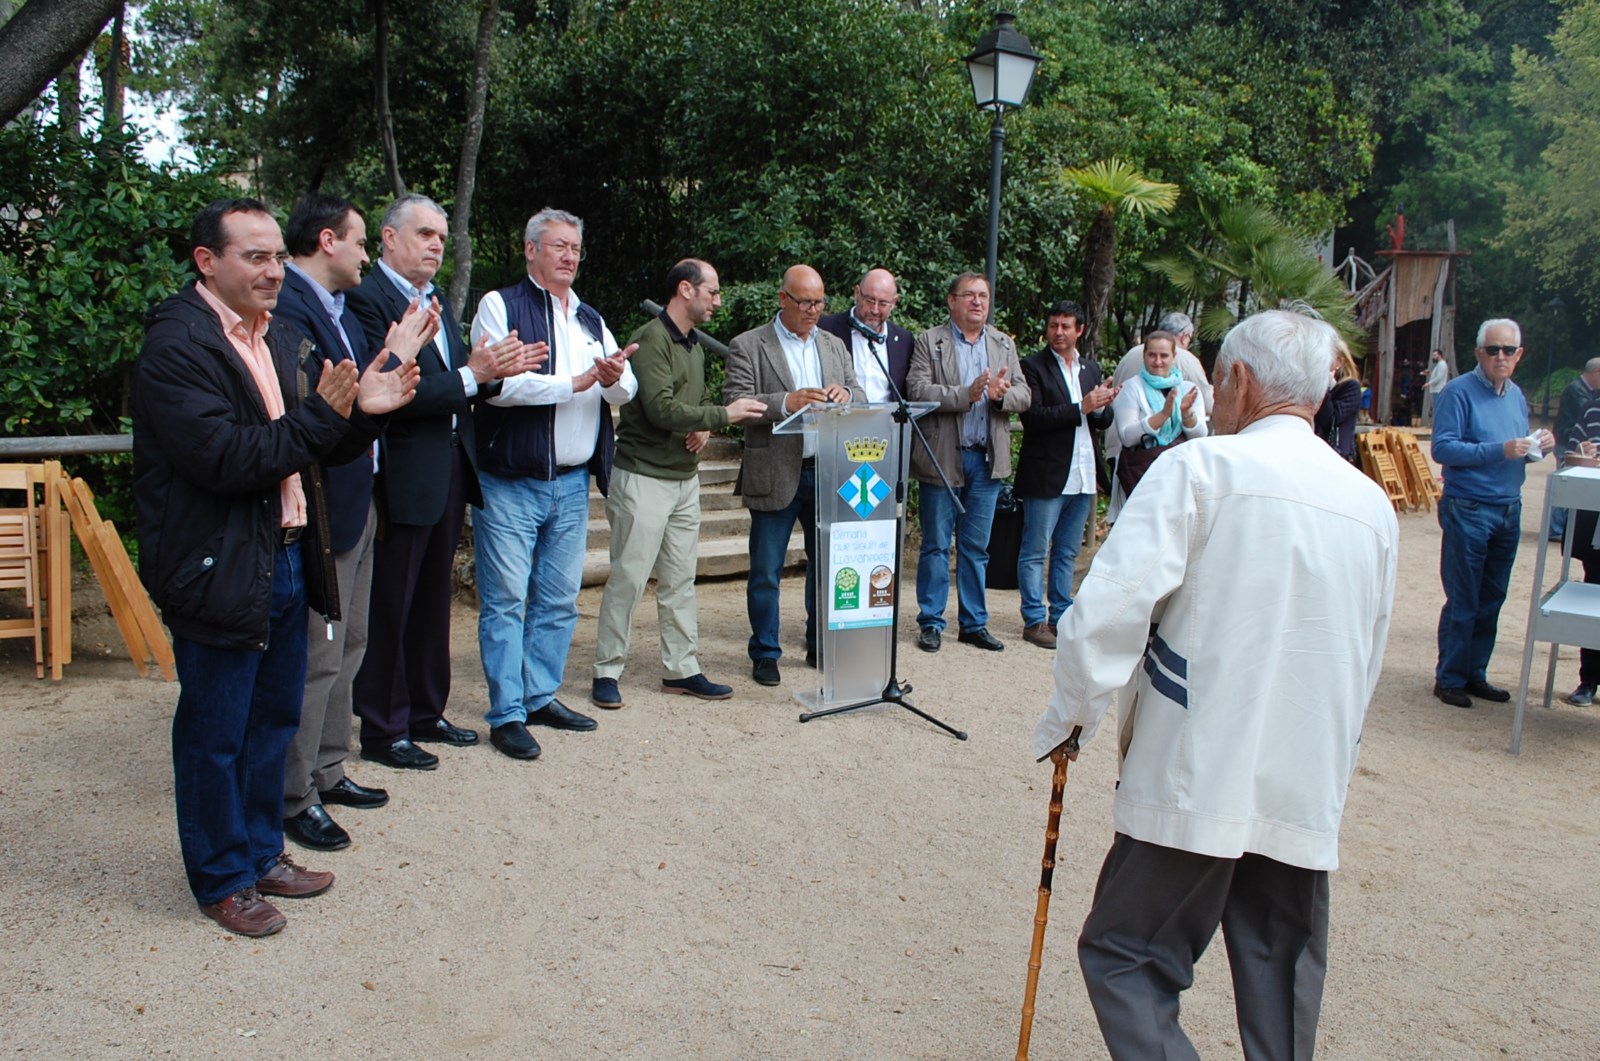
(971, 370)
(786, 365)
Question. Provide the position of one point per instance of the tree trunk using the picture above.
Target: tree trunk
(112, 63)
(467, 173)
(391, 154)
(69, 96)
(1099, 274)
(41, 39)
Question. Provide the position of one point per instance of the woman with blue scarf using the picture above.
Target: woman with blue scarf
(1157, 409)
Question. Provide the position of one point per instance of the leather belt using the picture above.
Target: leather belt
(290, 535)
(976, 449)
(563, 469)
(808, 462)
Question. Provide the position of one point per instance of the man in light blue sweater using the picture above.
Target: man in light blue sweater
(1481, 440)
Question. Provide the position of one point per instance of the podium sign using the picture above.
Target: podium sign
(860, 475)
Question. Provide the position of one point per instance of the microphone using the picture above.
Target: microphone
(882, 340)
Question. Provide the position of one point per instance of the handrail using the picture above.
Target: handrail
(716, 346)
(64, 446)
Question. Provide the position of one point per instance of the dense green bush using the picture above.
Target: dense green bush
(90, 239)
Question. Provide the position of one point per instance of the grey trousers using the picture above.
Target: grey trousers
(316, 756)
(1155, 910)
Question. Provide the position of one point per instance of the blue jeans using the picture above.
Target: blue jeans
(769, 544)
(1052, 525)
(1475, 558)
(529, 539)
(238, 708)
(971, 533)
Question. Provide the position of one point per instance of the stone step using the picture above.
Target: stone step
(718, 497)
(720, 558)
(715, 524)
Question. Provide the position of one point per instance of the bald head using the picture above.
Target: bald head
(801, 299)
(876, 296)
(1591, 373)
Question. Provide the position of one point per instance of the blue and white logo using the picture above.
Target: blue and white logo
(864, 490)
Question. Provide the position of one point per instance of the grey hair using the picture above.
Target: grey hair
(1289, 355)
(1483, 329)
(1593, 365)
(534, 233)
(1176, 323)
(394, 217)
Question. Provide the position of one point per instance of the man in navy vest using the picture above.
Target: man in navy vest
(327, 239)
(539, 440)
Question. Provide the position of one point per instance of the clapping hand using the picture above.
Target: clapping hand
(999, 385)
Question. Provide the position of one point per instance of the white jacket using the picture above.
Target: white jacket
(1268, 565)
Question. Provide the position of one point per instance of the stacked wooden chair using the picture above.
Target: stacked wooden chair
(1393, 460)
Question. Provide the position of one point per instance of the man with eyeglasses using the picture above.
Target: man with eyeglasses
(232, 420)
(971, 370)
(539, 441)
(654, 503)
(1482, 442)
(427, 475)
(876, 343)
(785, 365)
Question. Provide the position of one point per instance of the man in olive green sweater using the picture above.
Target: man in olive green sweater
(654, 503)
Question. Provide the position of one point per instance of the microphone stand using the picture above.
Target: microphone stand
(895, 691)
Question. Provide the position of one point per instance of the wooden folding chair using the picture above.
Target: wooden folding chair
(19, 559)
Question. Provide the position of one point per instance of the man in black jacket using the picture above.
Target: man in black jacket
(228, 432)
(1056, 468)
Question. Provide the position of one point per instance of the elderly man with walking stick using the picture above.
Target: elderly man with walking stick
(1241, 604)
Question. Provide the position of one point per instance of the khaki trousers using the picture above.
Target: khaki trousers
(655, 525)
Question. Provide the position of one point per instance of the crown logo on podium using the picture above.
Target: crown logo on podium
(866, 450)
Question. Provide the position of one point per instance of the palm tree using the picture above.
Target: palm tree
(1115, 185)
(1249, 260)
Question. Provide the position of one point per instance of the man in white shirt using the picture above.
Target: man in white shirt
(1438, 376)
(1241, 604)
(539, 440)
(880, 350)
(1056, 468)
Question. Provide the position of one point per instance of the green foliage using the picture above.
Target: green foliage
(90, 239)
(1556, 219)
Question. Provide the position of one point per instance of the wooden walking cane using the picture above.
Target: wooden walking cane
(1041, 913)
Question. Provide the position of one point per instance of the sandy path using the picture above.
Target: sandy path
(718, 881)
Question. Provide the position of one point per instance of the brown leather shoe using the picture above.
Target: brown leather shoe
(293, 882)
(1039, 634)
(245, 913)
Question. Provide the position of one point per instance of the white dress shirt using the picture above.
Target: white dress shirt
(1080, 473)
(573, 351)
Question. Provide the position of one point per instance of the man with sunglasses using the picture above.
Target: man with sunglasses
(1482, 442)
(786, 364)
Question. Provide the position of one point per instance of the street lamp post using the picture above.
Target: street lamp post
(1002, 68)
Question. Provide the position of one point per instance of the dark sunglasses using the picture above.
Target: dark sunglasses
(1501, 351)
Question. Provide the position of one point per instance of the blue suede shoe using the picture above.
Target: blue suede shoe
(606, 694)
(699, 685)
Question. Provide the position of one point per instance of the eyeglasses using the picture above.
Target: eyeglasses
(257, 259)
(561, 247)
(711, 292)
(877, 303)
(809, 305)
(1501, 351)
(971, 296)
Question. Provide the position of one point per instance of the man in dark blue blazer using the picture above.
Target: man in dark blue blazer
(427, 475)
(327, 241)
(867, 331)
(1056, 468)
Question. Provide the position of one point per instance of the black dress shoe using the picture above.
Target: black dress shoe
(402, 755)
(514, 740)
(557, 715)
(442, 732)
(313, 828)
(1485, 691)
(1453, 697)
(982, 638)
(928, 640)
(765, 671)
(350, 794)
